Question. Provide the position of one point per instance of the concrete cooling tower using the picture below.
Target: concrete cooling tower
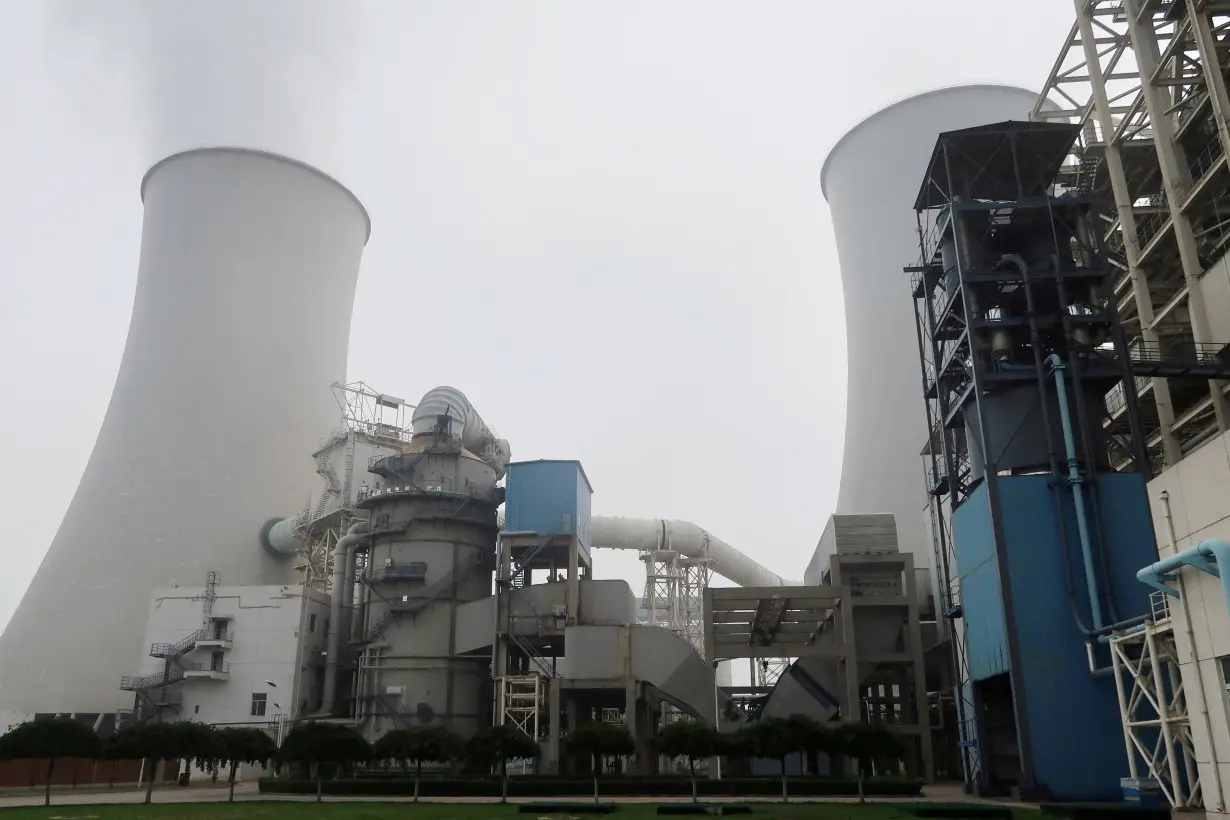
(870, 180)
(241, 322)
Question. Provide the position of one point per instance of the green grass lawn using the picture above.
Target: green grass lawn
(423, 811)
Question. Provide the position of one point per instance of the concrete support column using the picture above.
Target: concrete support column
(914, 645)
(574, 581)
(554, 713)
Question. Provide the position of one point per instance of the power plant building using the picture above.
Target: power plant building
(1026, 578)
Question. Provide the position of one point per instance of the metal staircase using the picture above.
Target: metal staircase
(174, 651)
(530, 651)
(517, 579)
(432, 594)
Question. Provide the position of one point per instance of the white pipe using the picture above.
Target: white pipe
(343, 555)
(684, 537)
(1191, 642)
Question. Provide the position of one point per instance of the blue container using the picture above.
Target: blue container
(549, 498)
(1141, 791)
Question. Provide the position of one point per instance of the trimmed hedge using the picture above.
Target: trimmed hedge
(545, 786)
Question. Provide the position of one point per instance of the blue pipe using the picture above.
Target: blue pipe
(1198, 556)
(1075, 481)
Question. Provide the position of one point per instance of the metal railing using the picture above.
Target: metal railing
(216, 636)
(175, 650)
(159, 679)
(221, 667)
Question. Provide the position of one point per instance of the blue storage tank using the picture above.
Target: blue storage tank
(549, 497)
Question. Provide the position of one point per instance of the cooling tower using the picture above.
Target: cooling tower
(241, 322)
(870, 180)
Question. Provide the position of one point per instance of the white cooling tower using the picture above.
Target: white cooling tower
(241, 323)
(871, 179)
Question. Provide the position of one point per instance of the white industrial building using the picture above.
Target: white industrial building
(231, 655)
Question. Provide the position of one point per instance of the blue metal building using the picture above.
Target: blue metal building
(549, 497)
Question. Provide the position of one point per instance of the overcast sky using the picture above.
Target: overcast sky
(621, 197)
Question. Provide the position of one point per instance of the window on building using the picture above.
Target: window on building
(1224, 663)
(312, 622)
(258, 704)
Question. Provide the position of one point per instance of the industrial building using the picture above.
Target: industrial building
(1024, 578)
(356, 558)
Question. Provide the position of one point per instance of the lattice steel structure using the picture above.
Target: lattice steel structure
(1146, 79)
(373, 425)
(675, 587)
(1157, 728)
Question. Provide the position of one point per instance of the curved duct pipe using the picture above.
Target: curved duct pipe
(278, 536)
(464, 422)
(1035, 341)
(684, 537)
(1087, 442)
(343, 556)
(1199, 556)
(1075, 481)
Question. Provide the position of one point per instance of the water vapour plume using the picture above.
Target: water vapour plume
(260, 73)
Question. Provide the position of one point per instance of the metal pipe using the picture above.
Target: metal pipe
(645, 534)
(1191, 642)
(1199, 556)
(1074, 481)
(1035, 341)
(343, 554)
(1078, 388)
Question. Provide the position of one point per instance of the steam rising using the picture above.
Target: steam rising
(261, 73)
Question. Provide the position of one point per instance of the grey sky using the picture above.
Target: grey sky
(601, 220)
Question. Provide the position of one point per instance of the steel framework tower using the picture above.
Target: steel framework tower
(1147, 82)
(240, 322)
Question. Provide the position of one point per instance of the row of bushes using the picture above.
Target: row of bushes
(540, 786)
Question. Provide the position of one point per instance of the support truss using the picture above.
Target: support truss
(1147, 80)
(523, 703)
(1153, 708)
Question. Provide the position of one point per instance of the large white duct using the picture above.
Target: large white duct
(871, 179)
(464, 422)
(684, 537)
(241, 322)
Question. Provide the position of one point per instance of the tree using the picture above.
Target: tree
(597, 740)
(867, 742)
(50, 740)
(234, 745)
(161, 742)
(315, 744)
(496, 745)
(778, 738)
(691, 739)
(425, 744)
